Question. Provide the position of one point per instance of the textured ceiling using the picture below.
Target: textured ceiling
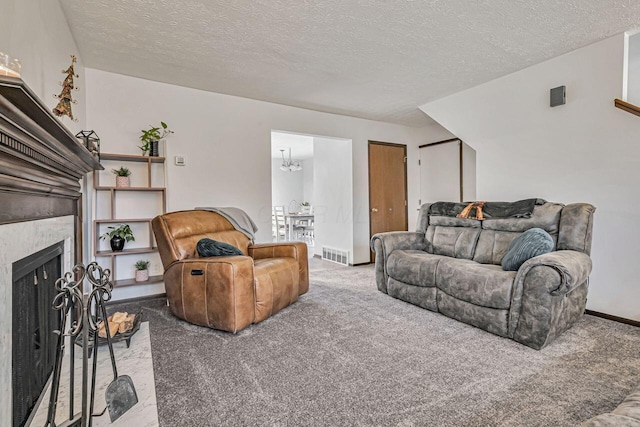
(374, 59)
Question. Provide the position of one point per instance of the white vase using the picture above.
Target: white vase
(122, 181)
(142, 275)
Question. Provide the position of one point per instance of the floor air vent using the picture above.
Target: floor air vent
(335, 255)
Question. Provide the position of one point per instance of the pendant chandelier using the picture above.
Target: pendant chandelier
(289, 165)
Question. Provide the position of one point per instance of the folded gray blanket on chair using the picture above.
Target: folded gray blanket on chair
(238, 218)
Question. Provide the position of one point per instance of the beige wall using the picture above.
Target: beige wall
(227, 142)
(36, 32)
(584, 151)
(333, 195)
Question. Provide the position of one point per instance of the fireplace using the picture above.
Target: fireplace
(33, 324)
(41, 166)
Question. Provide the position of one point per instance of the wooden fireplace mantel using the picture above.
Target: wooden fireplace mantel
(41, 162)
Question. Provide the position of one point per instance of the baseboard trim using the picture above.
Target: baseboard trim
(138, 299)
(614, 318)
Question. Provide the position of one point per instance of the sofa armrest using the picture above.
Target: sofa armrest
(385, 243)
(573, 267)
(626, 414)
(296, 250)
(549, 295)
(217, 292)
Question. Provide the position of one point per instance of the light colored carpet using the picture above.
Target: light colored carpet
(347, 354)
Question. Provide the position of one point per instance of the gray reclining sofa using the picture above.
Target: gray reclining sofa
(627, 414)
(452, 266)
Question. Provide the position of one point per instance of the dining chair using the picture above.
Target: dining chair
(308, 225)
(278, 224)
(309, 234)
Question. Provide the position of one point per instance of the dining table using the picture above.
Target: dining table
(292, 218)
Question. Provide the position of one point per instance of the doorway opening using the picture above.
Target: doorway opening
(312, 191)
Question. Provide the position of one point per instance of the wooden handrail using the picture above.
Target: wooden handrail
(439, 142)
(629, 108)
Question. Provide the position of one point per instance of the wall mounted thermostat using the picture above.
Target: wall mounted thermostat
(558, 96)
(180, 160)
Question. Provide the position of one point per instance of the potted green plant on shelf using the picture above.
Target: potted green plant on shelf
(151, 137)
(122, 177)
(118, 235)
(142, 270)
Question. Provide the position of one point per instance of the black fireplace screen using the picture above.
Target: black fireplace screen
(33, 319)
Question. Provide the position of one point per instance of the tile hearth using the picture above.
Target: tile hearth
(135, 361)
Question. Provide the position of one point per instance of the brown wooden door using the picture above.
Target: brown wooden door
(387, 187)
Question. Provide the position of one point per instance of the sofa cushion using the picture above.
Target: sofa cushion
(497, 234)
(178, 233)
(456, 242)
(490, 319)
(627, 414)
(630, 407)
(485, 285)
(416, 268)
(448, 221)
(529, 244)
(421, 296)
(577, 227)
(277, 282)
(492, 245)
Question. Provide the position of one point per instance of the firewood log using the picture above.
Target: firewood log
(113, 329)
(127, 325)
(119, 317)
(102, 333)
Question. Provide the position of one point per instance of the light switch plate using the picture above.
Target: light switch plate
(180, 160)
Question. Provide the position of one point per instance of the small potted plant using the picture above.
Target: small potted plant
(151, 137)
(142, 270)
(118, 235)
(122, 177)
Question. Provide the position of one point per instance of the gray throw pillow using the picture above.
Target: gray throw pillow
(208, 247)
(529, 244)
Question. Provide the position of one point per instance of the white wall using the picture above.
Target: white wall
(440, 172)
(584, 151)
(36, 32)
(307, 180)
(468, 173)
(286, 186)
(226, 140)
(633, 88)
(333, 195)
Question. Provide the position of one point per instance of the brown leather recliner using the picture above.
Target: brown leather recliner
(227, 292)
